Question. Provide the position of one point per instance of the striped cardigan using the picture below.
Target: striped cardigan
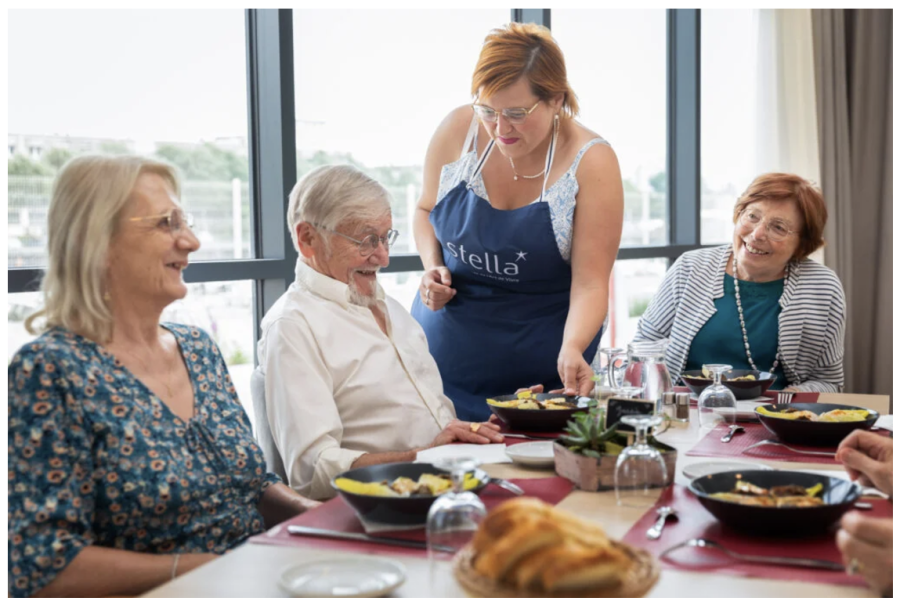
(810, 325)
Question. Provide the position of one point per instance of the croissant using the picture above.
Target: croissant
(530, 544)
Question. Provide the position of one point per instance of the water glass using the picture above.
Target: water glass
(603, 390)
(716, 403)
(452, 521)
(640, 468)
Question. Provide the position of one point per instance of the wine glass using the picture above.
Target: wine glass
(640, 468)
(716, 403)
(628, 392)
(452, 521)
(603, 390)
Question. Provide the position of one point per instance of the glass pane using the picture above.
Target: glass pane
(378, 108)
(403, 286)
(632, 287)
(163, 83)
(223, 309)
(616, 62)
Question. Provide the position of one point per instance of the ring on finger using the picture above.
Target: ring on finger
(474, 426)
(855, 567)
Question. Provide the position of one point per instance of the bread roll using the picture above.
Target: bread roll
(525, 538)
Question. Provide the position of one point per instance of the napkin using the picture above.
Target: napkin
(885, 422)
(490, 453)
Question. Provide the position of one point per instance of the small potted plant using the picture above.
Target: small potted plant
(586, 453)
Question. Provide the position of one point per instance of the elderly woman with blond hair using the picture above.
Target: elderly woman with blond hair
(760, 302)
(131, 460)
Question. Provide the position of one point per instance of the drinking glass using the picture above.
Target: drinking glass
(628, 392)
(640, 468)
(603, 389)
(452, 521)
(716, 403)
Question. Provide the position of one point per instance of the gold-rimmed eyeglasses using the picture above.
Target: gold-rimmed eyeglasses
(369, 243)
(776, 230)
(513, 115)
(172, 221)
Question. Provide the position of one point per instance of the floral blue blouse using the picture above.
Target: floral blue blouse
(95, 458)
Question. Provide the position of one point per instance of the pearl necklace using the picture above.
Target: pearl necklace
(516, 175)
(737, 298)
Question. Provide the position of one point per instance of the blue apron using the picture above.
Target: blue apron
(503, 330)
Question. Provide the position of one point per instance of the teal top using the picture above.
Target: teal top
(720, 339)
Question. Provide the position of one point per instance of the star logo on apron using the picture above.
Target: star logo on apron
(521, 256)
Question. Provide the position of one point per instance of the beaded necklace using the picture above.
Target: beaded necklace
(737, 298)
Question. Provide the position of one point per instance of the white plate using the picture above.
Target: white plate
(360, 576)
(532, 453)
(692, 471)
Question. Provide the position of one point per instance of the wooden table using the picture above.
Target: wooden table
(252, 570)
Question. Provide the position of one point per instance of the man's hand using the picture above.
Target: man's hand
(869, 458)
(468, 432)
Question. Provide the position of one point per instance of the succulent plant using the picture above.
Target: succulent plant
(585, 435)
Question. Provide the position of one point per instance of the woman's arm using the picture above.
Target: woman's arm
(99, 572)
(597, 231)
(828, 375)
(279, 503)
(436, 285)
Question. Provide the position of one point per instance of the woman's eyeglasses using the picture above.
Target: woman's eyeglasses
(172, 221)
(513, 115)
(775, 229)
(369, 243)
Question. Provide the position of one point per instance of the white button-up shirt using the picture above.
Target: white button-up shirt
(337, 387)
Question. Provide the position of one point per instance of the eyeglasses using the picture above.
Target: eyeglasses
(514, 115)
(369, 243)
(775, 229)
(172, 221)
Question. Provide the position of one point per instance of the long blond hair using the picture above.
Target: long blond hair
(88, 198)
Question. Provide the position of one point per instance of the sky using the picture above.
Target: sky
(373, 83)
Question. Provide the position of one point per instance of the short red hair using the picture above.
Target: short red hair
(524, 49)
(783, 187)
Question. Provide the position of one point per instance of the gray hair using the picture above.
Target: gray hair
(328, 196)
(88, 198)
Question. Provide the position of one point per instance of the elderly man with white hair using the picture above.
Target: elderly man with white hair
(348, 378)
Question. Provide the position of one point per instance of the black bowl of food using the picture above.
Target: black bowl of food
(821, 424)
(745, 384)
(543, 412)
(775, 502)
(399, 493)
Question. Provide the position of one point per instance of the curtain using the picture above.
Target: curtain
(853, 67)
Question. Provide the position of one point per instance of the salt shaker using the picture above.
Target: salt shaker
(683, 407)
(667, 404)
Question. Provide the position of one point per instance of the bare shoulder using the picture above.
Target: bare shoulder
(451, 132)
(599, 160)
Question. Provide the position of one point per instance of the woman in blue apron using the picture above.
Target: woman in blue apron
(516, 285)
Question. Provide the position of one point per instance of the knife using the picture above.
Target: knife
(315, 532)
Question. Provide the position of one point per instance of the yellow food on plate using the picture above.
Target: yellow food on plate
(402, 487)
(844, 416)
(781, 496)
(527, 543)
(526, 401)
(832, 416)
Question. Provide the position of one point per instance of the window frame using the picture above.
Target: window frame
(273, 158)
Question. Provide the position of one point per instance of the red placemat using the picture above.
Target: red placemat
(337, 515)
(797, 398)
(754, 432)
(694, 521)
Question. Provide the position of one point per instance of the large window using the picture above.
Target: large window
(378, 108)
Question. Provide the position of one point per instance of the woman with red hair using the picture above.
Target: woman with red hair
(516, 280)
(760, 302)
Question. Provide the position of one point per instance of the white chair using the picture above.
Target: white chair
(263, 432)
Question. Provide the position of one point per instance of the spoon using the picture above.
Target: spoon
(735, 428)
(664, 513)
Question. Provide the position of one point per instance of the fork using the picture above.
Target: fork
(783, 398)
(792, 561)
(772, 442)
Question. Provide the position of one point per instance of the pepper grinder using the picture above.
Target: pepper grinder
(683, 408)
